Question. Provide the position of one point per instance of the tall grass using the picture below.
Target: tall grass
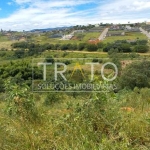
(99, 121)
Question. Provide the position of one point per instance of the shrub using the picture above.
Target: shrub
(81, 46)
(91, 47)
(20, 102)
(52, 98)
(49, 59)
(141, 48)
(2, 88)
(19, 53)
(136, 74)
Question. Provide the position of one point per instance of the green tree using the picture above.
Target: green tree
(91, 47)
(19, 53)
(81, 46)
(141, 48)
(49, 59)
(136, 74)
(125, 47)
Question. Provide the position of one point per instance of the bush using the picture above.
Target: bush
(141, 48)
(136, 74)
(52, 98)
(142, 42)
(91, 47)
(64, 47)
(95, 60)
(2, 87)
(20, 102)
(100, 45)
(49, 59)
(125, 47)
(19, 53)
(81, 46)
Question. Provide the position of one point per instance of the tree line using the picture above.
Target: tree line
(139, 46)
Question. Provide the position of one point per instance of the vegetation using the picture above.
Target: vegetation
(139, 46)
(117, 118)
(136, 75)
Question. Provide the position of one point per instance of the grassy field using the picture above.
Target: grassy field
(3, 38)
(90, 121)
(6, 45)
(4, 42)
(73, 121)
(46, 39)
(128, 36)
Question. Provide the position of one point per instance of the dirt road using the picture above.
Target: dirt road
(103, 34)
(145, 32)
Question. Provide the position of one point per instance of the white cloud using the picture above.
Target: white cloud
(125, 10)
(43, 14)
(53, 13)
(125, 6)
(22, 1)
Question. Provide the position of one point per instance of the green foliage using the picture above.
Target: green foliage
(52, 98)
(136, 74)
(20, 45)
(19, 53)
(91, 47)
(20, 101)
(95, 60)
(49, 59)
(123, 46)
(20, 71)
(142, 42)
(141, 48)
(64, 47)
(126, 47)
(2, 87)
(92, 121)
(81, 46)
(100, 45)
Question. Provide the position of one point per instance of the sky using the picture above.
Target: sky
(25, 15)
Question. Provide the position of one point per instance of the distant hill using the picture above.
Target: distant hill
(49, 29)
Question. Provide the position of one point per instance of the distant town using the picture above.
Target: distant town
(68, 33)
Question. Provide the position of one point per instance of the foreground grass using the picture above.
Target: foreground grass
(105, 121)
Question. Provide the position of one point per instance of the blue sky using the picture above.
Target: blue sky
(32, 14)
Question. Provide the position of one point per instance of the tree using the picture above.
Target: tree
(64, 47)
(141, 48)
(81, 46)
(49, 59)
(136, 74)
(100, 45)
(125, 47)
(19, 53)
(91, 47)
(142, 42)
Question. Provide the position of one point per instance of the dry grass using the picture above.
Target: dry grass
(6, 45)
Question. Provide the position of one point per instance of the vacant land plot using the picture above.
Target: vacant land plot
(128, 36)
(91, 35)
(3, 38)
(46, 39)
(6, 45)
